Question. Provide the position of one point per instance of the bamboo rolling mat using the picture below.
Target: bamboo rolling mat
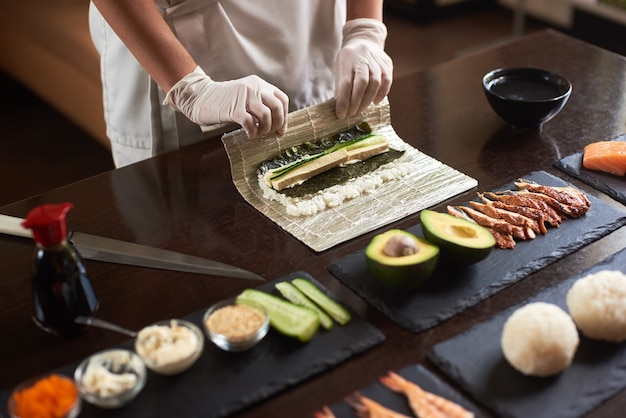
(428, 183)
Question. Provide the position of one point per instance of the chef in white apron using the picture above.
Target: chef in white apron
(177, 71)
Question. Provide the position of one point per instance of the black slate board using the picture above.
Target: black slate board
(474, 359)
(221, 383)
(456, 290)
(612, 185)
(398, 402)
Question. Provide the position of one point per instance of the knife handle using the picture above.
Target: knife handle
(11, 225)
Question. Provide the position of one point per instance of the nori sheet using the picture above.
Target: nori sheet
(339, 175)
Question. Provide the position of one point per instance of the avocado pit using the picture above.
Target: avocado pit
(400, 246)
(400, 260)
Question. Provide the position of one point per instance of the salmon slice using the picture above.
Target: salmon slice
(607, 156)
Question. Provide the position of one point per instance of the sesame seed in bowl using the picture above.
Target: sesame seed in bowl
(235, 326)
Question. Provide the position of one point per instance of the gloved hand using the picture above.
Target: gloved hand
(256, 105)
(363, 71)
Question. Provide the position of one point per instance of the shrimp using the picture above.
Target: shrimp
(424, 404)
(368, 408)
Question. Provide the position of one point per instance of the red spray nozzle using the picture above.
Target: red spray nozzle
(48, 223)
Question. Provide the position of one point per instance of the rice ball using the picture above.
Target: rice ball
(597, 303)
(539, 339)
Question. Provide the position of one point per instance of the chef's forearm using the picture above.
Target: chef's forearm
(143, 30)
(365, 9)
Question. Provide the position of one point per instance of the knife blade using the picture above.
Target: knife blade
(93, 247)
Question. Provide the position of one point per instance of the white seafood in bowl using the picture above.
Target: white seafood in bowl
(169, 347)
(110, 378)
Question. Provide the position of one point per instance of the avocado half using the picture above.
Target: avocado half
(401, 260)
(461, 242)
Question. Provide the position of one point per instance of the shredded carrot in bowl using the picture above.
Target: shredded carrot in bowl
(53, 396)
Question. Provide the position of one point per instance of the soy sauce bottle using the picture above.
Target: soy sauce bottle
(61, 289)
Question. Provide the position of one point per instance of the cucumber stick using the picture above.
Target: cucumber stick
(293, 295)
(334, 309)
(287, 318)
(363, 141)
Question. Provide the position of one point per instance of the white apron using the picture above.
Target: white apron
(291, 44)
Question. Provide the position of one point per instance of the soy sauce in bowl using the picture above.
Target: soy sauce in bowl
(526, 98)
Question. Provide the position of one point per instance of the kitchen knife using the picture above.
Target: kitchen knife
(110, 250)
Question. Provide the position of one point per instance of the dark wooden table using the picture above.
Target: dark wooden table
(185, 201)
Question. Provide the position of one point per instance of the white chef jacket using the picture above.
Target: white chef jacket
(291, 44)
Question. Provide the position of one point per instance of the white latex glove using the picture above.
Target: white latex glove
(363, 71)
(253, 103)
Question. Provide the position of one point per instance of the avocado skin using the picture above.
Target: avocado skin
(405, 277)
(452, 252)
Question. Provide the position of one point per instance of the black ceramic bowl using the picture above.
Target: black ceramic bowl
(526, 98)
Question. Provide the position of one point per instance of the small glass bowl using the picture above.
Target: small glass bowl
(73, 409)
(122, 364)
(245, 339)
(168, 362)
